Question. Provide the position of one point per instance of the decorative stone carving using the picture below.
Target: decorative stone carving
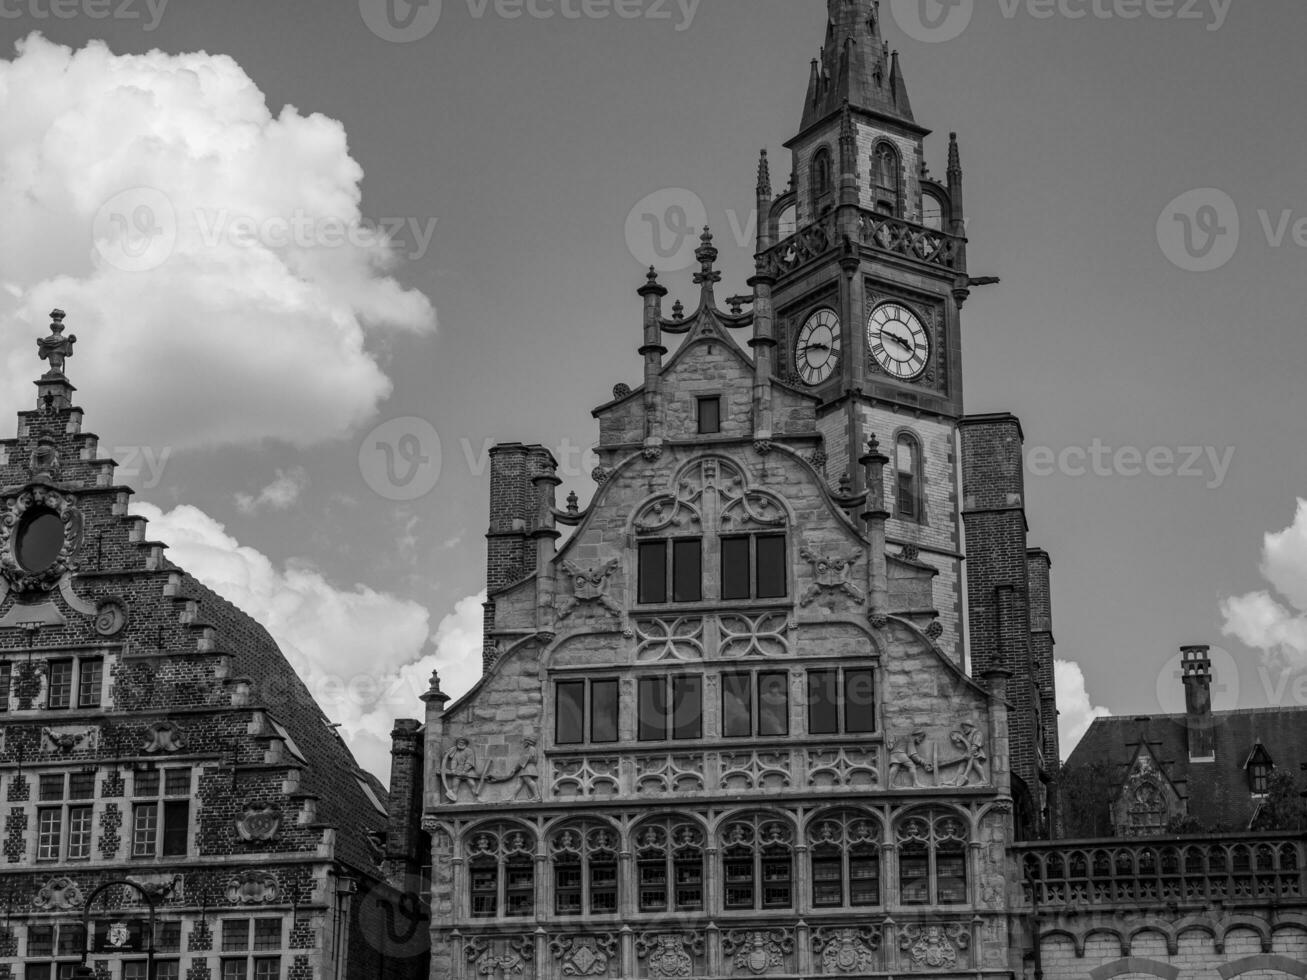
(590, 588)
(746, 771)
(661, 774)
(844, 767)
(831, 574)
(905, 757)
(971, 767)
(962, 762)
(110, 617)
(758, 951)
(58, 895)
(584, 956)
(527, 772)
(621, 391)
(910, 552)
(600, 475)
(163, 736)
(878, 621)
(716, 480)
(159, 886)
(669, 954)
(252, 888)
(818, 461)
(669, 639)
(62, 504)
(851, 950)
(935, 630)
(69, 739)
(762, 447)
(586, 777)
(459, 769)
(934, 947)
(502, 958)
(652, 453)
(259, 822)
(56, 348)
(43, 465)
(755, 636)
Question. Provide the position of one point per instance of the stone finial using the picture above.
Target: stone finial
(56, 348)
(573, 503)
(706, 253)
(434, 693)
(764, 176)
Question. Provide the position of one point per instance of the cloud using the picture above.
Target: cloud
(280, 494)
(1276, 625)
(210, 254)
(362, 653)
(1076, 712)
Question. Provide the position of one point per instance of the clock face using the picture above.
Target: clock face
(898, 341)
(817, 351)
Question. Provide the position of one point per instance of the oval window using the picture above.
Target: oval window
(40, 539)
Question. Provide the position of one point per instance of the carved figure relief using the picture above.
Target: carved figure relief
(832, 573)
(163, 736)
(259, 823)
(465, 774)
(757, 951)
(669, 954)
(934, 947)
(527, 771)
(252, 888)
(851, 950)
(500, 959)
(57, 895)
(915, 762)
(585, 956)
(590, 588)
(905, 757)
(755, 636)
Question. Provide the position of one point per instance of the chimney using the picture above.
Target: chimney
(1196, 669)
(404, 828)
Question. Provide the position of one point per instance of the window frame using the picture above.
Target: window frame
(755, 691)
(892, 197)
(153, 800)
(842, 838)
(667, 592)
(916, 476)
(760, 854)
(669, 845)
(671, 730)
(753, 571)
(73, 692)
(920, 832)
(841, 699)
(587, 715)
(6, 683)
(513, 847)
(716, 402)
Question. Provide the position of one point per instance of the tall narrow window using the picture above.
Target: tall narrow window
(501, 879)
(841, 701)
(584, 856)
(60, 680)
(710, 416)
(569, 712)
(79, 833)
(585, 711)
(681, 578)
(754, 567)
(822, 179)
(758, 864)
(669, 861)
(161, 828)
(932, 847)
(885, 179)
(90, 681)
(908, 506)
(687, 570)
(6, 682)
(845, 852)
(671, 707)
(755, 704)
(49, 828)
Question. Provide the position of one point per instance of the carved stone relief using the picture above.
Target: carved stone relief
(917, 760)
(58, 894)
(851, 950)
(65, 506)
(67, 738)
(163, 736)
(252, 888)
(758, 951)
(585, 956)
(468, 775)
(746, 771)
(670, 954)
(586, 777)
(934, 947)
(259, 823)
(501, 959)
(669, 639)
(714, 481)
(590, 588)
(844, 767)
(755, 636)
(831, 574)
(110, 617)
(660, 774)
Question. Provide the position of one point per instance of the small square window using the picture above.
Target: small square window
(710, 415)
(235, 935)
(177, 782)
(169, 936)
(145, 783)
(40, 941)
(267, 934)
(81, 786)
(52, 787)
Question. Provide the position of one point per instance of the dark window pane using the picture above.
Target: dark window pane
(569, 713)
(773, 704)
(737, 705)
(267, 934)
(653, 709)
(176, 832)
(40, 539)
(6, 679)
(603, 884)
(236, 934)
(859, 701)
(485, 889)
(653, 571)
(710, 416)
(52, 787)
(652, 871)
(771, 567)
(567, 886)
(267, 968)
(603, 711)
(40, 941)
(687, 707)
(827, 880)
(72, 940)
(146, 783)
(520, 891)
(735, 568)
(951, 874)
(907, 496)
(687, 570)
(864, 876)
(823, 717)
(738, 871)
(914, 875)
(177, 782)
(689, 883)
(60, 692)
(169, 937)
(81, 786)
(776, 882)
(37, 971)
(234, 969)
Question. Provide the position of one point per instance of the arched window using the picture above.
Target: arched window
(501, 868)
(584, 856)
(932, 211)
(669, 861)
(932, 858)
(845, 849)
(908, 505)
(885, 179)
(822, 179)
(758, 863)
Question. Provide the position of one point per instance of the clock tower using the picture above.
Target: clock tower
(865, 254)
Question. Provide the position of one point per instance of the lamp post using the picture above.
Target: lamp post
(85, 972)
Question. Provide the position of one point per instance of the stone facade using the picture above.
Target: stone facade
(159, 750)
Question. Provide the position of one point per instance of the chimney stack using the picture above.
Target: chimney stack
(1196, 669)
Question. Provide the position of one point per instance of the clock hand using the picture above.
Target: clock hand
(816, 347)
(885, 335)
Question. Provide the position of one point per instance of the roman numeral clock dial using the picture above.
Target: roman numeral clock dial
(898, 341)
(817, 351)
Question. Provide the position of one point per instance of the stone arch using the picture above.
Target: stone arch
(1266, 963)
(1251, 923)
(1168, 937)
(1122, 946)
(1132, 964)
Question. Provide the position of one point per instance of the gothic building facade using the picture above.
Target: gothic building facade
(175, 803)
(752, 716)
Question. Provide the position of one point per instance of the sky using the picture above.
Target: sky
(320, 257)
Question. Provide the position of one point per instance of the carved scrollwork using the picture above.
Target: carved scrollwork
(58, 894)
(844, 767)
(259, 822)
(669, 639)
(110, 617)
(163, 736)
(253, 888)
(669, 954)
(934, 947)
(584, 956)
(497, 958)
(847, 950)
(758, 951)
(755, 636)
(711, 479)
(16, 509)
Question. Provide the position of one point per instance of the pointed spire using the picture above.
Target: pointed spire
(764, 177)
(954, 155)
(856, 65)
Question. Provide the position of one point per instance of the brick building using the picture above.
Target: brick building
(156, 749)
(738, 723)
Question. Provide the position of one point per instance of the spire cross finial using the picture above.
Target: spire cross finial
(56, 348)
(706, 253)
